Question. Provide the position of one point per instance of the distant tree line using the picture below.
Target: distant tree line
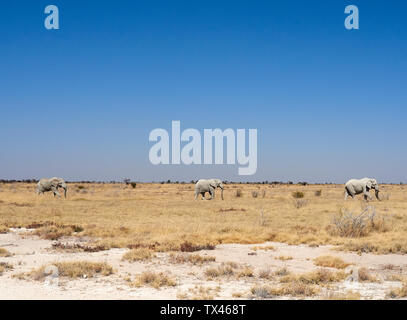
(133, 183)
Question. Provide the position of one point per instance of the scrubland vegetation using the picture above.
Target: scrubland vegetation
(165, 217)
(70, 269)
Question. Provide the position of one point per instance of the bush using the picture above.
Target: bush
(330, 262)
(222, 270)
(133, 184)
(261, 291)
(74, 269)
(348, 224)
(298, 194)
(399, 293)
(5, 266)
(365, 276)
(318, 193)
(265, 274)
(139, 254)
(190, 247)
(155, 280)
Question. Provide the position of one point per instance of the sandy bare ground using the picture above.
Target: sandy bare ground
(31, 252)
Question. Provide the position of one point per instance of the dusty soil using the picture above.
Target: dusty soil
(30, 252)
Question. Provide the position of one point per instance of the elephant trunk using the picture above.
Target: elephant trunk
(65, 189)
(377, 194)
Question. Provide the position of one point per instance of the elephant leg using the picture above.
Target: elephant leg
(367, 197)
(203, 195)
(56, 193)
(366, 194)
(349, 191)
(196, 195)
(212, 193)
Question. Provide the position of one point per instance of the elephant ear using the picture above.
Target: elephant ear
(213, 184)
(55, 182)
(369, 184)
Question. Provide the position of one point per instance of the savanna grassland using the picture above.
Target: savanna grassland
(154, 241)
(165, 217)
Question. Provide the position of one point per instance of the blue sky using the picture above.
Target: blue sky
(329, 104)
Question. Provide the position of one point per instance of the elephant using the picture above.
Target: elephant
(203, 186)
(45, 185)
(357, 186)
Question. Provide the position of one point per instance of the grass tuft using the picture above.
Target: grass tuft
(139, 254)
(4, 253)
(399, 292)
(5, 266)
(194, 259)
(298, 194)
(152, 279)
(330, 262)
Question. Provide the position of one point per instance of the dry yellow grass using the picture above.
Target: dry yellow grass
(284, 258)
(265, 274)
(220, 271)
(282, 272)
(74, 269)
(165, 217)
(194, 259)
(399, 292)
(152, 279)
(3, 229)
(246, 272)
(318, 277)
(265, 248)
(288, 289)
(199, 293)
(366, 276)
(140, 254)
(348, 295)
(4, 253)
(330, 262)
(396, 277)
(5, 266)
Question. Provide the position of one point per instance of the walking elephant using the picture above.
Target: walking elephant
(357, 186)
(203, 186)
(53, 184)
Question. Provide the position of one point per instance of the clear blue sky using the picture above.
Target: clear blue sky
(329, 104)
